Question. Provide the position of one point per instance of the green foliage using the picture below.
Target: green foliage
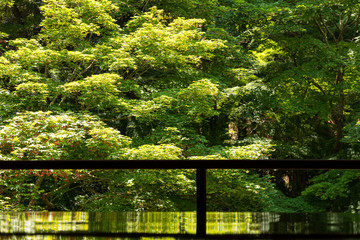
(253, 151)
(30, 54)
(202, 9)
(8, 105)
(12, 74)
(36, 189)
(278, 202)
(7, 3)
(150, 152)
(352, 137)
(95, 92)
(187, 79)
(3, 36)
(152, 43)
(33, 95)
(311, 54)
(42, 136)
(334, 190)
(149, 190)
(19, 18)
(199, 99)
(69, 23)
(237, 190)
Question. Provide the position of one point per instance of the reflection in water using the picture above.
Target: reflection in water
(173, 222)
(143, 222)
(37, 222)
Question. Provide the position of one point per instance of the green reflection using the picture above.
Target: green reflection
(172, 223)
(49, 237)
(143, 222)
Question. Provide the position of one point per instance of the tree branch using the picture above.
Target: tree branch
(46, 71)
(328, 30)
(342, 26)
(317, 86)
(83, 71)
(322, 32)
(88, 68)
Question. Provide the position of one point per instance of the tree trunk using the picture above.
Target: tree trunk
(233, 131)
(338, 113)
(17, 14)
(292, 182)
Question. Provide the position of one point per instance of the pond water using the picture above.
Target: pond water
(36, 224)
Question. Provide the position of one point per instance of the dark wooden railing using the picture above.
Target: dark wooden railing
(201, 166)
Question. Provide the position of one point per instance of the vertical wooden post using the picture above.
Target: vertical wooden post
(200, 201)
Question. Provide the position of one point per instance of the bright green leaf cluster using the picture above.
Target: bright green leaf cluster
(41, 136)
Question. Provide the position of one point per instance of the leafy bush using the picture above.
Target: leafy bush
(334, 190)
(43, 136)
(150, 152)
(238, 190)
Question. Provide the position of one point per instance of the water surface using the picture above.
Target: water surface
(172, 223)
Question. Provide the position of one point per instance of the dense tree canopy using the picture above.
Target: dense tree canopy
(189, 79)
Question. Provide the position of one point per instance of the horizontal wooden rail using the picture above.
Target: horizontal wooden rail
(201, 166)
(182, 164)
